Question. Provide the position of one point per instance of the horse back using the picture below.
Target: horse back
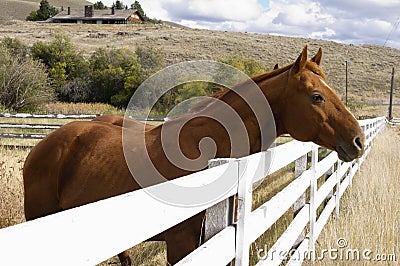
(79, 163)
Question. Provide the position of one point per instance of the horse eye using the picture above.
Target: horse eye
(317, 98)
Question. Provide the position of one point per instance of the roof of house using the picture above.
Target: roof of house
(104, 14)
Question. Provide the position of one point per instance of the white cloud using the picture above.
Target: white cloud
(355, 21)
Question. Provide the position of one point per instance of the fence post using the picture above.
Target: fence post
(220, 215)
(329, 174)
(245, 197)
(337, 198)
(313, 192)
(300, 166)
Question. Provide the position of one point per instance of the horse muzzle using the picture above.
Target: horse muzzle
(351, 150)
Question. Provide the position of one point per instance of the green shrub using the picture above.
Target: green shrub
(15, 47)
(64, 62)
(24, 83)
(249, 66)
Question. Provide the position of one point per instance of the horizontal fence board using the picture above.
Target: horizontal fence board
(58, 116)
(278, 157)
(299, 255)
(219, 250)
(325, 190)
(287, 239)
(29, 126)
(326, 164)
(149, 118)
(52, 126)
(324, 217)
(21, 136)
(343, 169)
(81, 231)
(267, 214)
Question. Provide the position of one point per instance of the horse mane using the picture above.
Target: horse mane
(313, 67)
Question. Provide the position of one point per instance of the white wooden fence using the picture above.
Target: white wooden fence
(58, 117)
(95, 232)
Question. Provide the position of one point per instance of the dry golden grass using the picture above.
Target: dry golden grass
(11, 187)
(80, 108)
(370, 209)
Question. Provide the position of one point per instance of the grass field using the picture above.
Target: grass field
(370, 209)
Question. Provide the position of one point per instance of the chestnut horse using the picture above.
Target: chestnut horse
(84, 162)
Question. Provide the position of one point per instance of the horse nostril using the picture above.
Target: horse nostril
(357, 142)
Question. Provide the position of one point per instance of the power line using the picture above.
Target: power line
(395, 25)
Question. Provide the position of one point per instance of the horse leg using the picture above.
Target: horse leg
(183, 238)
(124, 258)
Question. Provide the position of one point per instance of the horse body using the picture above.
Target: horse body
(84, 162)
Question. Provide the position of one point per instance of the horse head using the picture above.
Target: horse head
(314, 112)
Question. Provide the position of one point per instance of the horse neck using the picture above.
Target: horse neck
(274, 88)
(272, 85)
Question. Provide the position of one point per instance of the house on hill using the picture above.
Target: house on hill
(89, 15)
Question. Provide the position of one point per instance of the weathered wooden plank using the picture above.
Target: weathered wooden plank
(220, 215)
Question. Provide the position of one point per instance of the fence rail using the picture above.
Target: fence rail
(92, 233)
(60, 117)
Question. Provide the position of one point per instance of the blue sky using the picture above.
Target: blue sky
(346, 21)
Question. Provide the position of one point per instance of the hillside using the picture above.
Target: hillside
(20, 9)
(369, 65)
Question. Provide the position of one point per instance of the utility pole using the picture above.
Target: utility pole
(346, 82)
(391, 96)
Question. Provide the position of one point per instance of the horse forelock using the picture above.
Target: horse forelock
(313, 67)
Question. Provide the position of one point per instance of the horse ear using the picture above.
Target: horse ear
(276, 66)
(300, 62)
(317, 58)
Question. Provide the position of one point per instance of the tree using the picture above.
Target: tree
(115, 75)
(44, 12)
(119, 5)
(136, 5)
(99, 5)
